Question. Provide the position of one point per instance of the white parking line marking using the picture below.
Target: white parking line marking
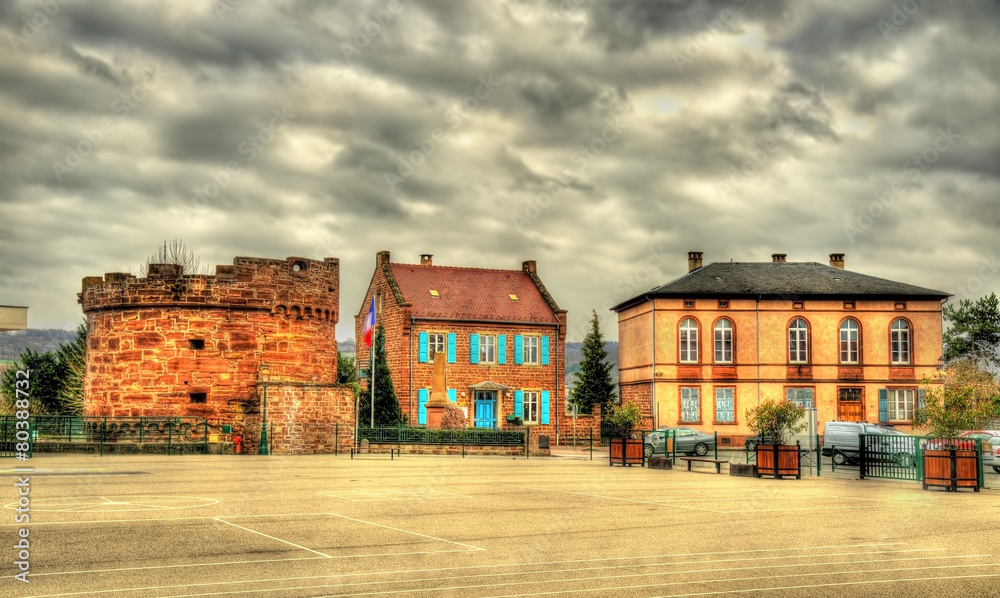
(271, 537)
(697, 581)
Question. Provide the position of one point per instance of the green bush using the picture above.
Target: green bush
(776, 420)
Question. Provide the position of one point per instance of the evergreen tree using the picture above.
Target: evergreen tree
(974, 332)
(387, 410)
(55, 381)
(593, 383)
(46, 379)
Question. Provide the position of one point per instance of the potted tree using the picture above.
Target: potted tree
(624, 449)
(963, 403)
(775, 423)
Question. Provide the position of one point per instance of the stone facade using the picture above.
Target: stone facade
(406, 317)
(172, 344)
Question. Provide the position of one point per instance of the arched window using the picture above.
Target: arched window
(689, 341)
(723, 341)
(798, 336)
(899, 339)
(850, 336)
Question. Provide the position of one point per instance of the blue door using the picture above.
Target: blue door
(486, 409)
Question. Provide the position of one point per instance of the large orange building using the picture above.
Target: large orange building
(701, 350)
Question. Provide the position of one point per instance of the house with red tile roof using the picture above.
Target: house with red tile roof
(503, 334)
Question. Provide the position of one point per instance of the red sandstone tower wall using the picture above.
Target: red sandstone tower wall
(173, 344)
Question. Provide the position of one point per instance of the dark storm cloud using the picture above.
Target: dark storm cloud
(586, 135)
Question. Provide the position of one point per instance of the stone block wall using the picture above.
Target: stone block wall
(172, 344)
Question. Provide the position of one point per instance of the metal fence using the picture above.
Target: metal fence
(407, 435)
(889, 456)
(179, 434)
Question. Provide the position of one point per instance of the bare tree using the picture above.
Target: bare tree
(174, 252)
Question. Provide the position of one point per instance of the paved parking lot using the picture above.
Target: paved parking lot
(486, 526)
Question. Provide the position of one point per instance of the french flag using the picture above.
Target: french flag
(370, 323)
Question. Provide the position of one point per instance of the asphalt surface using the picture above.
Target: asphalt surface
(485, 526)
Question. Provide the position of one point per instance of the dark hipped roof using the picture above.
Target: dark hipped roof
(786, 280)
(472, 294)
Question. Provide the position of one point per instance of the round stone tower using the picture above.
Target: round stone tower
(172, 344)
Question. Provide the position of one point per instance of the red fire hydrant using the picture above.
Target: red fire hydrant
(238, 442)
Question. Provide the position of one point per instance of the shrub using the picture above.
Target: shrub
(776, 420)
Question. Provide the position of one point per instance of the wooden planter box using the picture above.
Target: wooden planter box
(951, 469)
(779, 460)
(627, 451)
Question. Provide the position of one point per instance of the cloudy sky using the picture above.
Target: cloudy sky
(602, 139)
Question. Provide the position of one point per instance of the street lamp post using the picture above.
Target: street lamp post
(265, 374)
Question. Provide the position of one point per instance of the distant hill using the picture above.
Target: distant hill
(347, 348)
(12, 344)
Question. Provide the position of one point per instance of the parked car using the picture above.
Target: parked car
(753, 441)
(991, 453)
(840, 440)
(687, 440)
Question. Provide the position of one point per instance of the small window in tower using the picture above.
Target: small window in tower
(723, 304)
(689, 304)
(298, 266)
(198, 397)
(196, 344)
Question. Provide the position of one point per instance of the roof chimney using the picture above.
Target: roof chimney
(382, 257)
(694, 260)
(425, 259)
(529, 266)
(837, 260)
(778, 258)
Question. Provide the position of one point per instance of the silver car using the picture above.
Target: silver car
(687, 440)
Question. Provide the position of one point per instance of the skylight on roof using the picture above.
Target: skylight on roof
(435, 293)
(513, 297)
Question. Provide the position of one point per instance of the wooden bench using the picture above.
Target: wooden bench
(718, 462)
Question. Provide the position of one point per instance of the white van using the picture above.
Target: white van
(843, 436)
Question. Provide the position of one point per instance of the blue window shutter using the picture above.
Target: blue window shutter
(423, 348)
(422, 401)
(473, 348)
(921, 398)
(545, 350)
(883, 406)
(452, 395)
(518, 349)
(519, 403)
(545, 407)
(451, 347)
(502, 349)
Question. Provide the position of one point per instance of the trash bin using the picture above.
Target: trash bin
(543, 442)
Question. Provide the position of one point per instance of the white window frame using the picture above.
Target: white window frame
(487, 348)
(697, 398)
(798, 341)
(435, 340)
(791, 393)
(901, 399)
(530, 349)
(899, 341)
(531, 406)
(688, 341)
(732, 391)
(850, 335)
(723, 335)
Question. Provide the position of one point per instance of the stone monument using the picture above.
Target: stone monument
(439, 393)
